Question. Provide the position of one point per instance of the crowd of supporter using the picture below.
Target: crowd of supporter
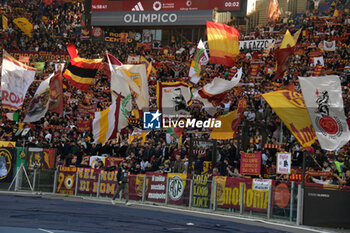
(260, 130)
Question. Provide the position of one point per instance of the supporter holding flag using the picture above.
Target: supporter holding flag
(283, 57)
(230, 123)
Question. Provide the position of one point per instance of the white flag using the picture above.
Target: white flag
(213, 93)
(200, 58)
(16, 78)
(116, 116)
(136, 77)
(329, 46)
(323, 99)
(40, 102)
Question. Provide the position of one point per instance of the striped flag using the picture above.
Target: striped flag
(108, 122)
(12, 116)
(223, 43)
(80, 71)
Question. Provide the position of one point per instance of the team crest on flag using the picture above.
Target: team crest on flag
(324, 122)
(323, 99)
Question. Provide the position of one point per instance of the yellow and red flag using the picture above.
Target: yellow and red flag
(290, 107)
(274, 11)
(223, 43)
(229, 123)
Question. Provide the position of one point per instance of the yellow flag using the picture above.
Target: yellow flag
(229, 123)
(141, 136)
(290, 107)
(220, 191)
(24, 25)
(287, 40)
(225, 131)
(150, 68)
(336, 13)
(5, 25)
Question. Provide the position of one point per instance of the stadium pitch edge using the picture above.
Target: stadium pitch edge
(250, 220)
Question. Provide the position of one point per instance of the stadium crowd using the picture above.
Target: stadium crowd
(60, 23)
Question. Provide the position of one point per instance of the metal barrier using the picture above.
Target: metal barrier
(280, 201)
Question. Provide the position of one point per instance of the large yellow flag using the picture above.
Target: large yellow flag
(150, 68)
(24, 25)
(287, 40)
(290, 107)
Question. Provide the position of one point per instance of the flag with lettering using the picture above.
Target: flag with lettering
(16, 78)
(290, 107)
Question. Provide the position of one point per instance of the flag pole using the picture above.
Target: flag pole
(304, 168)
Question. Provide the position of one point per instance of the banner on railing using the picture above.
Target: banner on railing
(156, 187)
(201, 191)
(136, 186)
(7, 158)
(88, 181)
(261, 184)
(176, 189)
(229, 194)
(66, 180)
(40, 158)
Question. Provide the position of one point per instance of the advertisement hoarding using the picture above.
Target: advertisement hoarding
(165, 5)
(151, 18)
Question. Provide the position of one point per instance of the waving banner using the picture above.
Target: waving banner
(173, 98)
(40, 102)
(290, 107)
(16, 78)
(324, 102)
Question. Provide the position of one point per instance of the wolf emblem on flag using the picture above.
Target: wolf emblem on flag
(324, 102)
(325, 123)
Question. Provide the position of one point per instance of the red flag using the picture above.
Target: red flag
(282, 57)
(56, 94)
(318, 70)
(72, 50)
(274, 10)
